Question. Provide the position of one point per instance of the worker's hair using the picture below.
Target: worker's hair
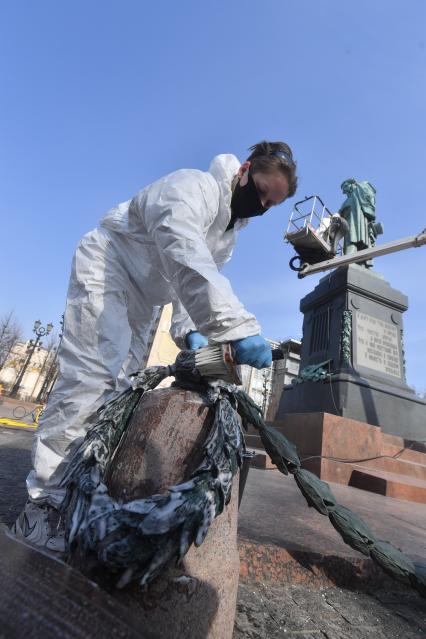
(267, 157)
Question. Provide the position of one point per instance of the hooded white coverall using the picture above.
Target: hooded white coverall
(165, 245)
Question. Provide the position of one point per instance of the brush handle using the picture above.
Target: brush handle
(277, 354)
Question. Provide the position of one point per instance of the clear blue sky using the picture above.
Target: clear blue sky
(100, 98)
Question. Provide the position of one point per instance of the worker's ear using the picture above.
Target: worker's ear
(243, 173)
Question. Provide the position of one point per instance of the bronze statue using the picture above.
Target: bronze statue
(359, 211)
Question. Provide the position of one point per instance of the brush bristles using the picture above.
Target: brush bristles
(209, 354)
(210, 363)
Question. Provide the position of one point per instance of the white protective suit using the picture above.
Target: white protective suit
(165, 245)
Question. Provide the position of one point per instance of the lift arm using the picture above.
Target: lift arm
(360, 256)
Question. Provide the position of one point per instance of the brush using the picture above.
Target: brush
(217, 362)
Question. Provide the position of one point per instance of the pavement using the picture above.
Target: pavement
(282, 539)
(17, 413)
(298, 579)
(43, 598)
(267, 611)
(15, 464)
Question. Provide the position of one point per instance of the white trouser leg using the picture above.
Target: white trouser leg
(139, 316)
(95, 344)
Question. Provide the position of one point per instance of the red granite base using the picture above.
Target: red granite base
(346, 451)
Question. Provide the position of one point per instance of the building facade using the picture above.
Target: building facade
(265, 386)
(283, 372)
(37, 371)
(161, 349)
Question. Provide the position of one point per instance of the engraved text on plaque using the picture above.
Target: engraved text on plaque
(378, 345)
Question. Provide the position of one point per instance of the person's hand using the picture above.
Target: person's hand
(195, 340)
(254, 351)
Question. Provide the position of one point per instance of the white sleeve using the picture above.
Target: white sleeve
(181, 324)
(178, 213)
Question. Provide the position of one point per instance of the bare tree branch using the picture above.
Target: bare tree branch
(10, 333)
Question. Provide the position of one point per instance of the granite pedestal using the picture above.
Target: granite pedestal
(353, 326)
(161, 448)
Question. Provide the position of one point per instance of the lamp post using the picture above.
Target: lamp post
(39, 331)
(52, 372)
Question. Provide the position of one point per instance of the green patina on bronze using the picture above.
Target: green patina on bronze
(359, 211)
(314, 373)
(346, 339)
(404, 372)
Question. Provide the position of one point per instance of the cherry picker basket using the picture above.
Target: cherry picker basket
(308, 232)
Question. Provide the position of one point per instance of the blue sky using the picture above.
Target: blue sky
(101, 98)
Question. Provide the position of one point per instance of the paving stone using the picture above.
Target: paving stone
(43, 598)
(15, 464)
(332, 613)
(348, 605)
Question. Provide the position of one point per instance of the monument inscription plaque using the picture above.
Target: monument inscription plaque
(377, 345)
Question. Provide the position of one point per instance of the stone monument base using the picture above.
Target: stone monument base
(354, 453)
(353, 339)
(397, 410)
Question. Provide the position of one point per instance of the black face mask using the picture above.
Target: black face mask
(245, 202)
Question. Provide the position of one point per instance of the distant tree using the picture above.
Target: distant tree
(10, 333)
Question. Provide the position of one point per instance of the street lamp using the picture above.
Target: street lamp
(51, 375)
(39, 331)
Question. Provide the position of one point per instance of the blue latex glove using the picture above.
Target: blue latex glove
(254, 351)
(195, 340)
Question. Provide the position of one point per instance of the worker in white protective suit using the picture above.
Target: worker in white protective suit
(166, 244)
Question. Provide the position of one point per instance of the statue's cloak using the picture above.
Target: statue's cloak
(359, 209)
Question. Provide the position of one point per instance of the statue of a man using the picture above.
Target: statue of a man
(359, 211)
